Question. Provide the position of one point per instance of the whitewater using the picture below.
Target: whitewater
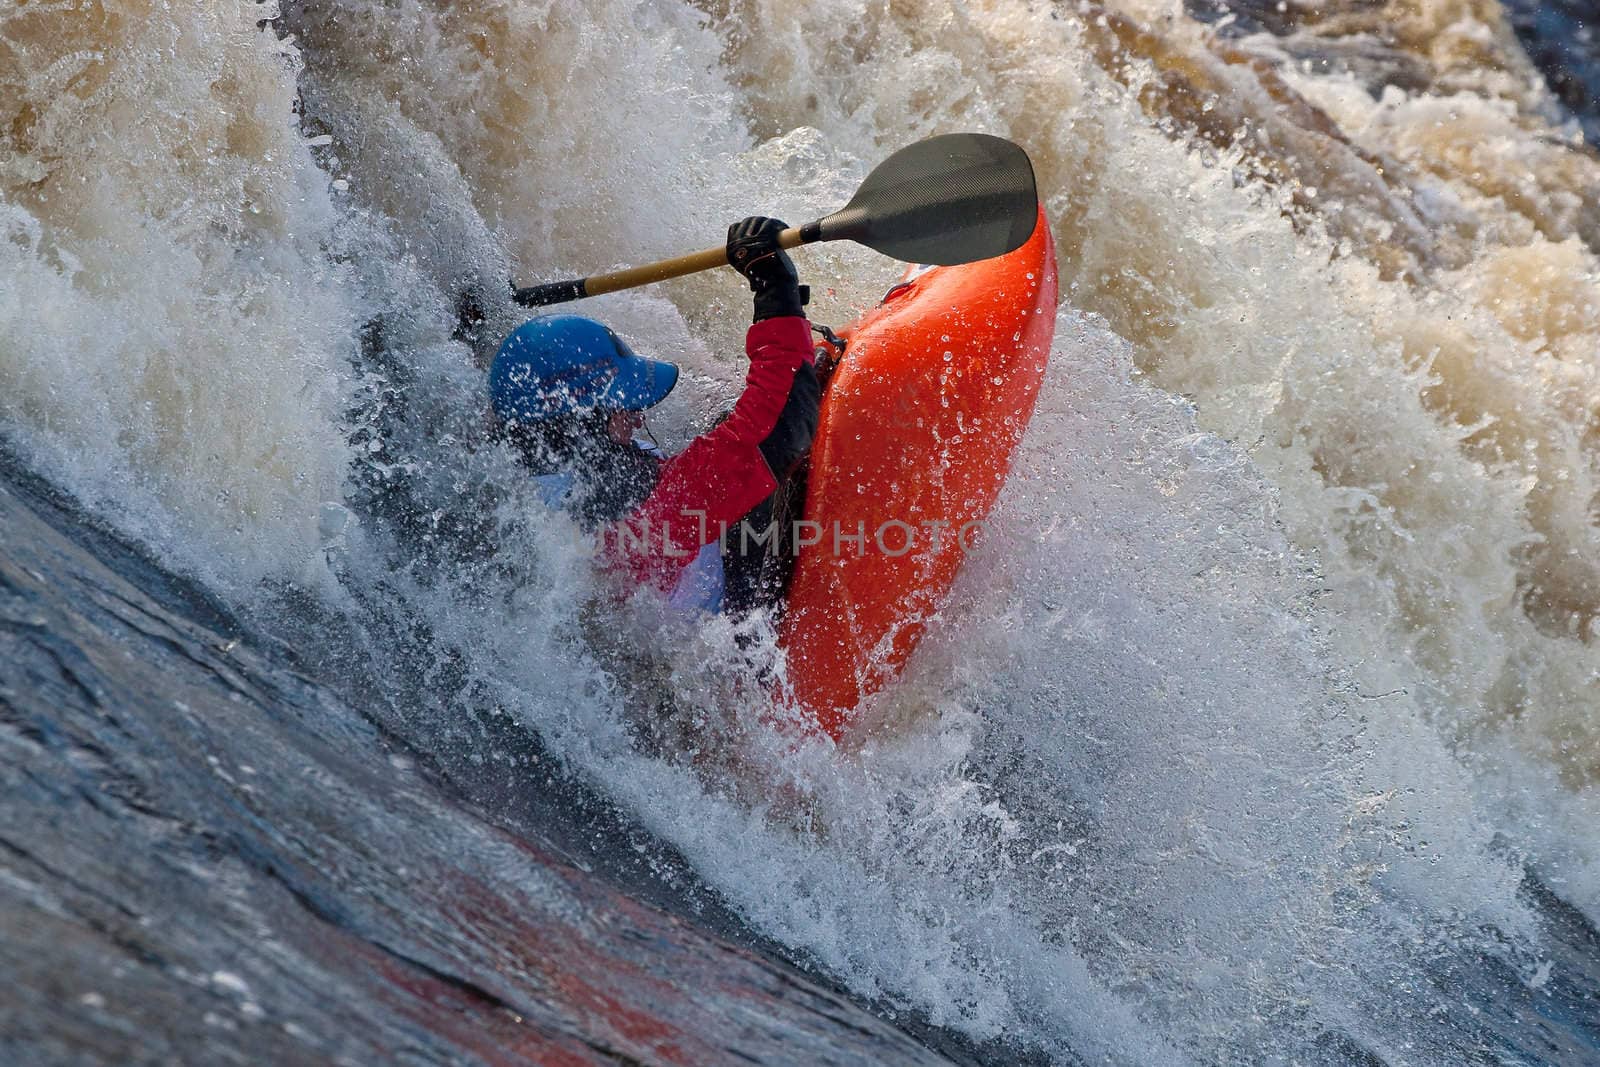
(1264, 726)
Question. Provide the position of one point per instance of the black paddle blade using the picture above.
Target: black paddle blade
(955, 198)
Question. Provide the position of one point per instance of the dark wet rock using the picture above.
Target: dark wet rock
(208, 857)
(1555, 185)
(1231, 99)
(1562, 38)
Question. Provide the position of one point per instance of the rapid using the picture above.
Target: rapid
(1264, 727)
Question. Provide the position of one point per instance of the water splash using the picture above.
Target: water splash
(1259, 697)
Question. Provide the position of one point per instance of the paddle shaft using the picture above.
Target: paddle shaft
(953, 198)
(633, 277)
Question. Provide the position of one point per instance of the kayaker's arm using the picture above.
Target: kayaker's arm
(754, 250)
(715, 482)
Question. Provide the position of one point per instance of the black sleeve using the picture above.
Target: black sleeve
(790, 440)
(755, 570)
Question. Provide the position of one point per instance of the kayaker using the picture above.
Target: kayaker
(570, 395)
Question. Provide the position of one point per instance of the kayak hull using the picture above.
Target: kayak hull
(919, 427)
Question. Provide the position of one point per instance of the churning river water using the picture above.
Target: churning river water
(1264, 727)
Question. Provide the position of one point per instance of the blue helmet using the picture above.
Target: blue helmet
(564, 364)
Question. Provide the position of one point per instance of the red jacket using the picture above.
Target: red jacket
(714, 482)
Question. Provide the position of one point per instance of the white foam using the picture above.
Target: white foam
(1210, 728)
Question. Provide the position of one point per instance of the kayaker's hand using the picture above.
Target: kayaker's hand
(753, 251)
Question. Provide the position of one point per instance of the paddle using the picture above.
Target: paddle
(955, 198)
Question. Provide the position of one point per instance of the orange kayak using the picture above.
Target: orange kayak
(919, 426)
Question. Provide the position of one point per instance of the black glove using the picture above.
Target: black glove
(753, 251)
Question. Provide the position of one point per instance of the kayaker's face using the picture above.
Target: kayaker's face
(622, 425)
